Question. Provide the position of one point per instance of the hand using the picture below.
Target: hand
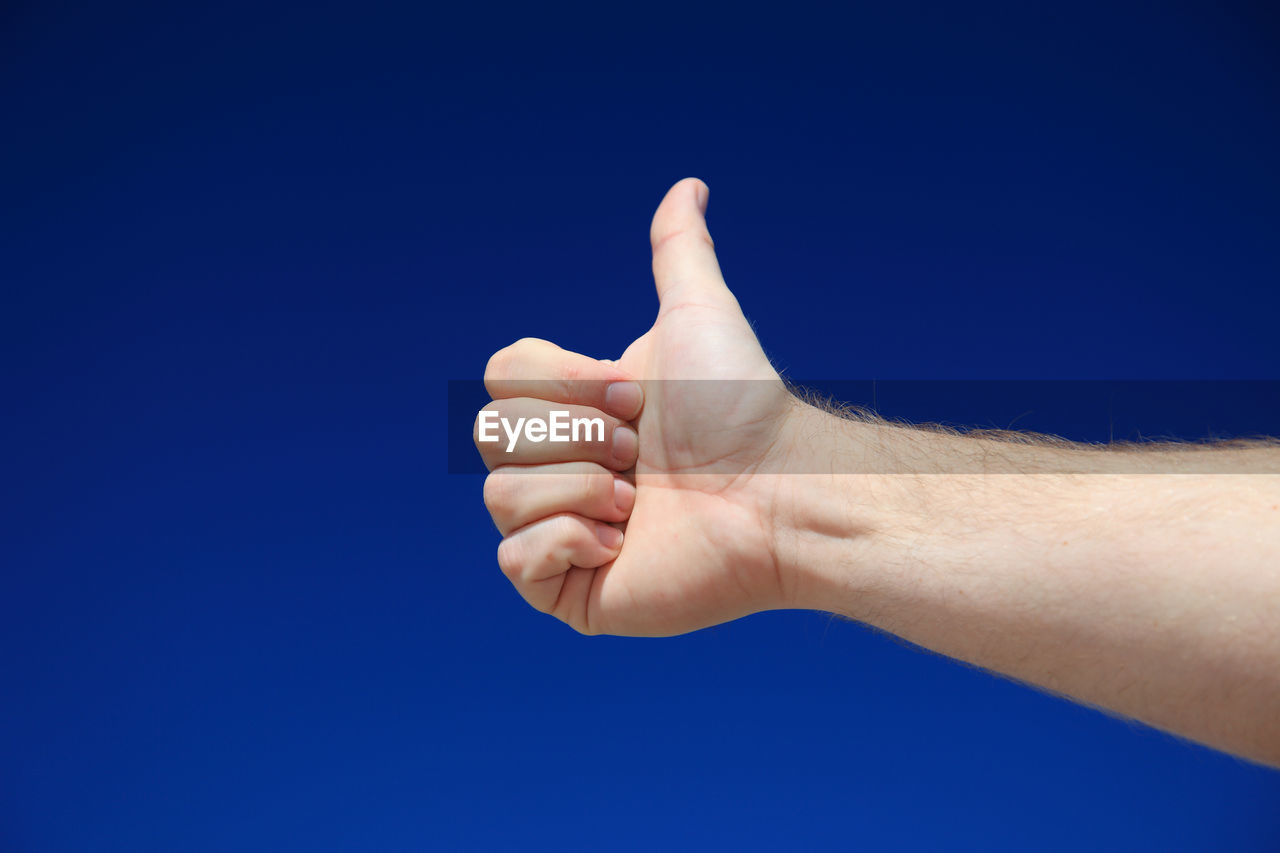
(690, 489)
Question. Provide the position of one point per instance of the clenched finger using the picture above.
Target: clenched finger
(536, 368)
(527, 431)
(517, 495)
(537, 558)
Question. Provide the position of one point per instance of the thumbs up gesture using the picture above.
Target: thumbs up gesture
(657, 517)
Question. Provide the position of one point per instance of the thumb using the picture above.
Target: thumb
(685, 268)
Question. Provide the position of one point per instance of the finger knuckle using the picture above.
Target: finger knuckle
(510, 558)
(500, 494)
(502, 364)
(571, 372)
(498, 366)
(660, 237)
(566, 530)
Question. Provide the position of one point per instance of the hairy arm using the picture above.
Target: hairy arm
(1142, 581)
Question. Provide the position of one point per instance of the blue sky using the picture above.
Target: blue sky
(243, 246)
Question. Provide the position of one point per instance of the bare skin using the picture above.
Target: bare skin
(1109, 580)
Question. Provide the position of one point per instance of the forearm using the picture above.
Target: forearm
(1155, 595)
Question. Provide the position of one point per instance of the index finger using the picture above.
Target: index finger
(536, 368)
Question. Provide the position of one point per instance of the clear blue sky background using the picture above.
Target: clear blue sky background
(243, 245)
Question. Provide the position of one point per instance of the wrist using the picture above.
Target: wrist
(838, 514)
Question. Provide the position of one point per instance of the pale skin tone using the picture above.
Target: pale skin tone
(1144, 582)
